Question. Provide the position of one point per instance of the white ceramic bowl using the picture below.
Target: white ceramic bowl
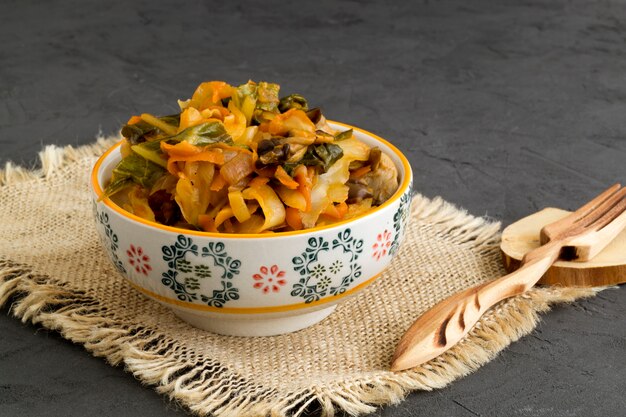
(253, 285)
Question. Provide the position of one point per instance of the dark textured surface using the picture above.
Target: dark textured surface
(502, 108)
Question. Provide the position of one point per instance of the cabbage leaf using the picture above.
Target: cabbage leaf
(134, 169)
(138, 132)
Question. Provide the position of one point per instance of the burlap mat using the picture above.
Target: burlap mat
(53, 272)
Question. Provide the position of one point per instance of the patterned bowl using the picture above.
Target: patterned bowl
(256, 284)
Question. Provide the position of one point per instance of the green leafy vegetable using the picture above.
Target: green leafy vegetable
(203, 134)
(293, 101)
(328, 153)
(323, 156)
(267, 102)
(136, 133)
(152, 152)
(257, 101)
(116, 185)
(244, 98)
(315, 114)
(200, 135)
(267, 97)
(272, 151)
(346, 134)
(247, 90)
(134, 169)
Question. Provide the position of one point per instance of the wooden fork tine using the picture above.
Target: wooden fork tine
(602, 209)
(592, 204)
(603, 231)
(557, 227)
(610, 216)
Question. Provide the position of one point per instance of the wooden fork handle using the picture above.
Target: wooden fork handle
(444, 325)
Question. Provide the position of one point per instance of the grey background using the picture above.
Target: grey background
(503, 108)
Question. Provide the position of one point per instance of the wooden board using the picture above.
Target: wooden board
(607, 268)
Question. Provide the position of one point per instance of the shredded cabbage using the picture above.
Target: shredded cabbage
(243, 160)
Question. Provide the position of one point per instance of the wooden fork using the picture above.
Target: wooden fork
(579, 236)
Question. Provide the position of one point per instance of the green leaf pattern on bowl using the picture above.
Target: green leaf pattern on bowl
(230, 268)
(316, 278)
(401, 219)
(183, 276)
(174, 256)
(110, 241)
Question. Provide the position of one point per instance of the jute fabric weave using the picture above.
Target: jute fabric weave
(54, 273)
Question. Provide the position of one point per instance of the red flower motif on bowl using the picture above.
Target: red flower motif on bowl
(269, 279)
(381, 246)
(138, 260)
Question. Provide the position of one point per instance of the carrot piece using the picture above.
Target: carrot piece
(207, 223)
(305, 184)
(337, 211)
(331, 211)
(258, 181)
(264, 127)
(208, 156)
(285, 179)
(226, 147)
(180, 149)
(218, 183)
(186, 152)
(342, 208)
(133, 120)
(293, 218)
(359, 172)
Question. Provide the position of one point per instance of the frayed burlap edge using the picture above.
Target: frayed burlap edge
(53, 157)
(209, 387)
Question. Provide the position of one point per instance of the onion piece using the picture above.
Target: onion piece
(138, 204)
(191, 193)
(224, 214)
(237, 168)
(210, 93)
(247, 138)
(273, 208)
(359, 208)
(235, 123)
(292, 198)
(189, 117)
(293, 119)
(238, 205)
(252, 225)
